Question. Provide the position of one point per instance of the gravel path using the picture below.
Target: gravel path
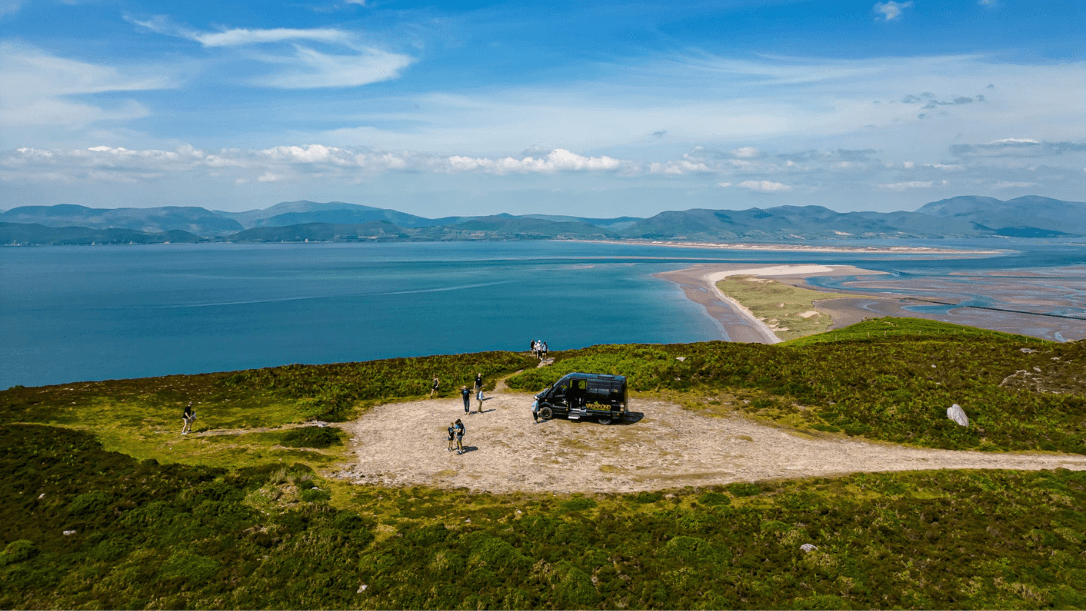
(404, 444)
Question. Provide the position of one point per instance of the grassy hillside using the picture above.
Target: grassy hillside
(249, 521)
(890, 379)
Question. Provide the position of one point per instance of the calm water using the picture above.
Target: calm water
(89, 313)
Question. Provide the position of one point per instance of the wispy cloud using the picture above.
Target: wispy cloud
(902, 186)
(310, 69)
(9, 7)
(351, 63)
(891, 10)
(41, 89)
(765, 186)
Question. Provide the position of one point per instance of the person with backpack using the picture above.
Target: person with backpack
(452, 436)
(188, 417)
(466, 394)
(459, 436)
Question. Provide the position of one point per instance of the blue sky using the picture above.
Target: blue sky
(585, 108)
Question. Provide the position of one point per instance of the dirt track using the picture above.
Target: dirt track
(404, 444)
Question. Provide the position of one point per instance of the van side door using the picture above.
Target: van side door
(560, 393)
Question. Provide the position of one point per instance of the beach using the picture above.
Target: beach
(1021, 307)
(755, 246)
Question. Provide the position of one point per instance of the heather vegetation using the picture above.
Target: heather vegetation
(887, 379)
(96, 518)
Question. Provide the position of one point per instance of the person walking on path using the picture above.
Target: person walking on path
(452, 436)
(479, 396)
(434, 386)
(188, 417)
(478, 382)
(459, 436)
(545, 349)
(466, 394)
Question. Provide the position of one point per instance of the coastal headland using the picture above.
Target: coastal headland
(1019, 304)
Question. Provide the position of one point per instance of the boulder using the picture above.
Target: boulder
(808, 547)
(957, 414)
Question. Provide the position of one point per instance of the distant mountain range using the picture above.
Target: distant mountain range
(300, 221)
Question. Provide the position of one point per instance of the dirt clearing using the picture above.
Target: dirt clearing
(404, 444)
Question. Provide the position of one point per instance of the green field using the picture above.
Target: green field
(788, 310)
(245, 519)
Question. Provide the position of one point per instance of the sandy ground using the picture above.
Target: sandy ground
(404, 444)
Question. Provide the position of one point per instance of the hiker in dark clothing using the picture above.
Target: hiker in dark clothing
(459, 436)
(478, 382)
(466, 394)
(434, 386)
(188, 417)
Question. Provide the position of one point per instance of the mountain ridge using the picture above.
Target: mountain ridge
(302, 220)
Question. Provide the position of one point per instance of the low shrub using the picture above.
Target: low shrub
(311, 437)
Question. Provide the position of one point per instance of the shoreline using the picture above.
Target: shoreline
(803, 248)
(737, 322)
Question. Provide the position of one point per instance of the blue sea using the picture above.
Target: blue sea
(100, 312)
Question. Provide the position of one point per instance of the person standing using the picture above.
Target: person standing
(466, 394)
(459, 436)
(452, 436)
(434, 386)
(479, 397)
(188, 417)
(478, 382)
(545, 349)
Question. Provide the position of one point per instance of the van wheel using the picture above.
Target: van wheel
(604, 421)
(546, 413)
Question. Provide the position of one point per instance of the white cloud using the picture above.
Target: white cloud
(1003, 184)
(280, 163)
(8, 7)
(38, 89)
(988, 3)
(310, 69)
(302, 67)
(746, 152)
(723, 184)
(242, 36)
(902, 186)
(891, 10)
(556, 160)
(764, 186)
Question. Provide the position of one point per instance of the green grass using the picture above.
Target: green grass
(142, 417)
(894, 388)
(150, 535)
(244, 519)
(780, 305)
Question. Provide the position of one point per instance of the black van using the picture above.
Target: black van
(582, 395)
